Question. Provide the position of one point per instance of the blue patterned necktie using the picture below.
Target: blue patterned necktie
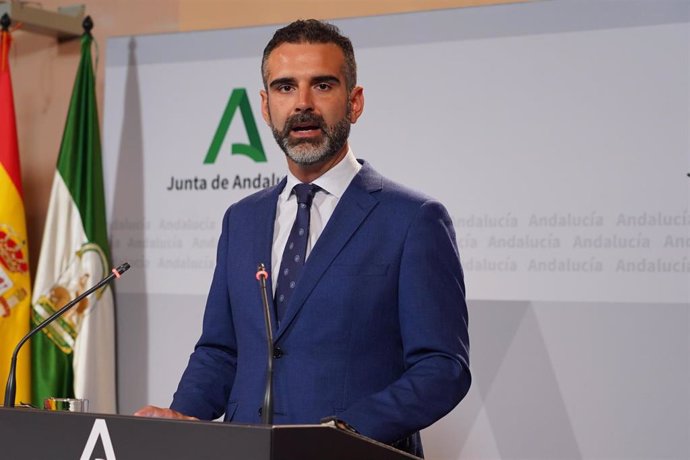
(295, 249)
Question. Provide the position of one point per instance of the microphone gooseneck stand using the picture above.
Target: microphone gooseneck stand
(267, 408)
(11, 387)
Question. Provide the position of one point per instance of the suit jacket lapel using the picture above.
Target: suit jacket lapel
(352, 209)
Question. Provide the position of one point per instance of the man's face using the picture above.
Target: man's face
(306, 102)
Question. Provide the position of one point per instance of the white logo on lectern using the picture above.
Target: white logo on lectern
(99, 430)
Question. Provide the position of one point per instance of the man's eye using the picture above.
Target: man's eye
(323, 86)
(284, 88)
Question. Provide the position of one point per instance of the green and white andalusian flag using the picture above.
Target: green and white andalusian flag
(75, 357)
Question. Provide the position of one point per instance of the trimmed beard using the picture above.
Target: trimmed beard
(306, 152)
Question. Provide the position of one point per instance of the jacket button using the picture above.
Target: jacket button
(277, 353)
(260, 410)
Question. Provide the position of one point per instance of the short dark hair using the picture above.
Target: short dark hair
(313, 31)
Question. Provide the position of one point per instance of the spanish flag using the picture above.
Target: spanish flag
(15, 285)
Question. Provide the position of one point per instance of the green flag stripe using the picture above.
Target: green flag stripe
(52, 374)
(79, 162)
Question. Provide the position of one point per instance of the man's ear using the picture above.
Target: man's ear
(264, 107)
(357, 103)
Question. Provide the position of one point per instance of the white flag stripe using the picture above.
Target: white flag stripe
(62, 234)
(94, 348)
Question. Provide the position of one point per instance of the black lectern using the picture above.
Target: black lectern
(35, 434)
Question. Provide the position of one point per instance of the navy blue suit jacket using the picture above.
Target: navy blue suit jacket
(375, 332)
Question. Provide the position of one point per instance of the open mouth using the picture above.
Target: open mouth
(305, 129)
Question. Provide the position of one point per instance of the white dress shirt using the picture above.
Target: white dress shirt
(333, 184)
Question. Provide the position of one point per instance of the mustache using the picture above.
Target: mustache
(303, 118)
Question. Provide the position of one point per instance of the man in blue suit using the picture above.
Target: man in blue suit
(369, 294)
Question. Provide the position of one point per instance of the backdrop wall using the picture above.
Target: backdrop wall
(557, 135)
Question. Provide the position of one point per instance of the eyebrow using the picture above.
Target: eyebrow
(282, 81)
(316, 80)
(325, 79)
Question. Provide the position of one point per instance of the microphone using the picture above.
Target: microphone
(267, 408)
(11, 387)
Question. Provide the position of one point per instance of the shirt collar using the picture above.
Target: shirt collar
(334, 181)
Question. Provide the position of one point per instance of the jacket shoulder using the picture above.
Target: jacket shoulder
(392, 193)
(262, 197)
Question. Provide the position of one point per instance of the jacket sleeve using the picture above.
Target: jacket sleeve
(206, 383)
(434, 335)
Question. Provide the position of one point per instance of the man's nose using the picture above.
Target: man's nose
(305, 102)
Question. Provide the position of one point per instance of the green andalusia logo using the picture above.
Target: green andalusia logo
(254, 150)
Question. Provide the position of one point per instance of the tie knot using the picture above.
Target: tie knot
(305, 193)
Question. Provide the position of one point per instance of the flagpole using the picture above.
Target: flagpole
(87, 24)
(5, 22)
